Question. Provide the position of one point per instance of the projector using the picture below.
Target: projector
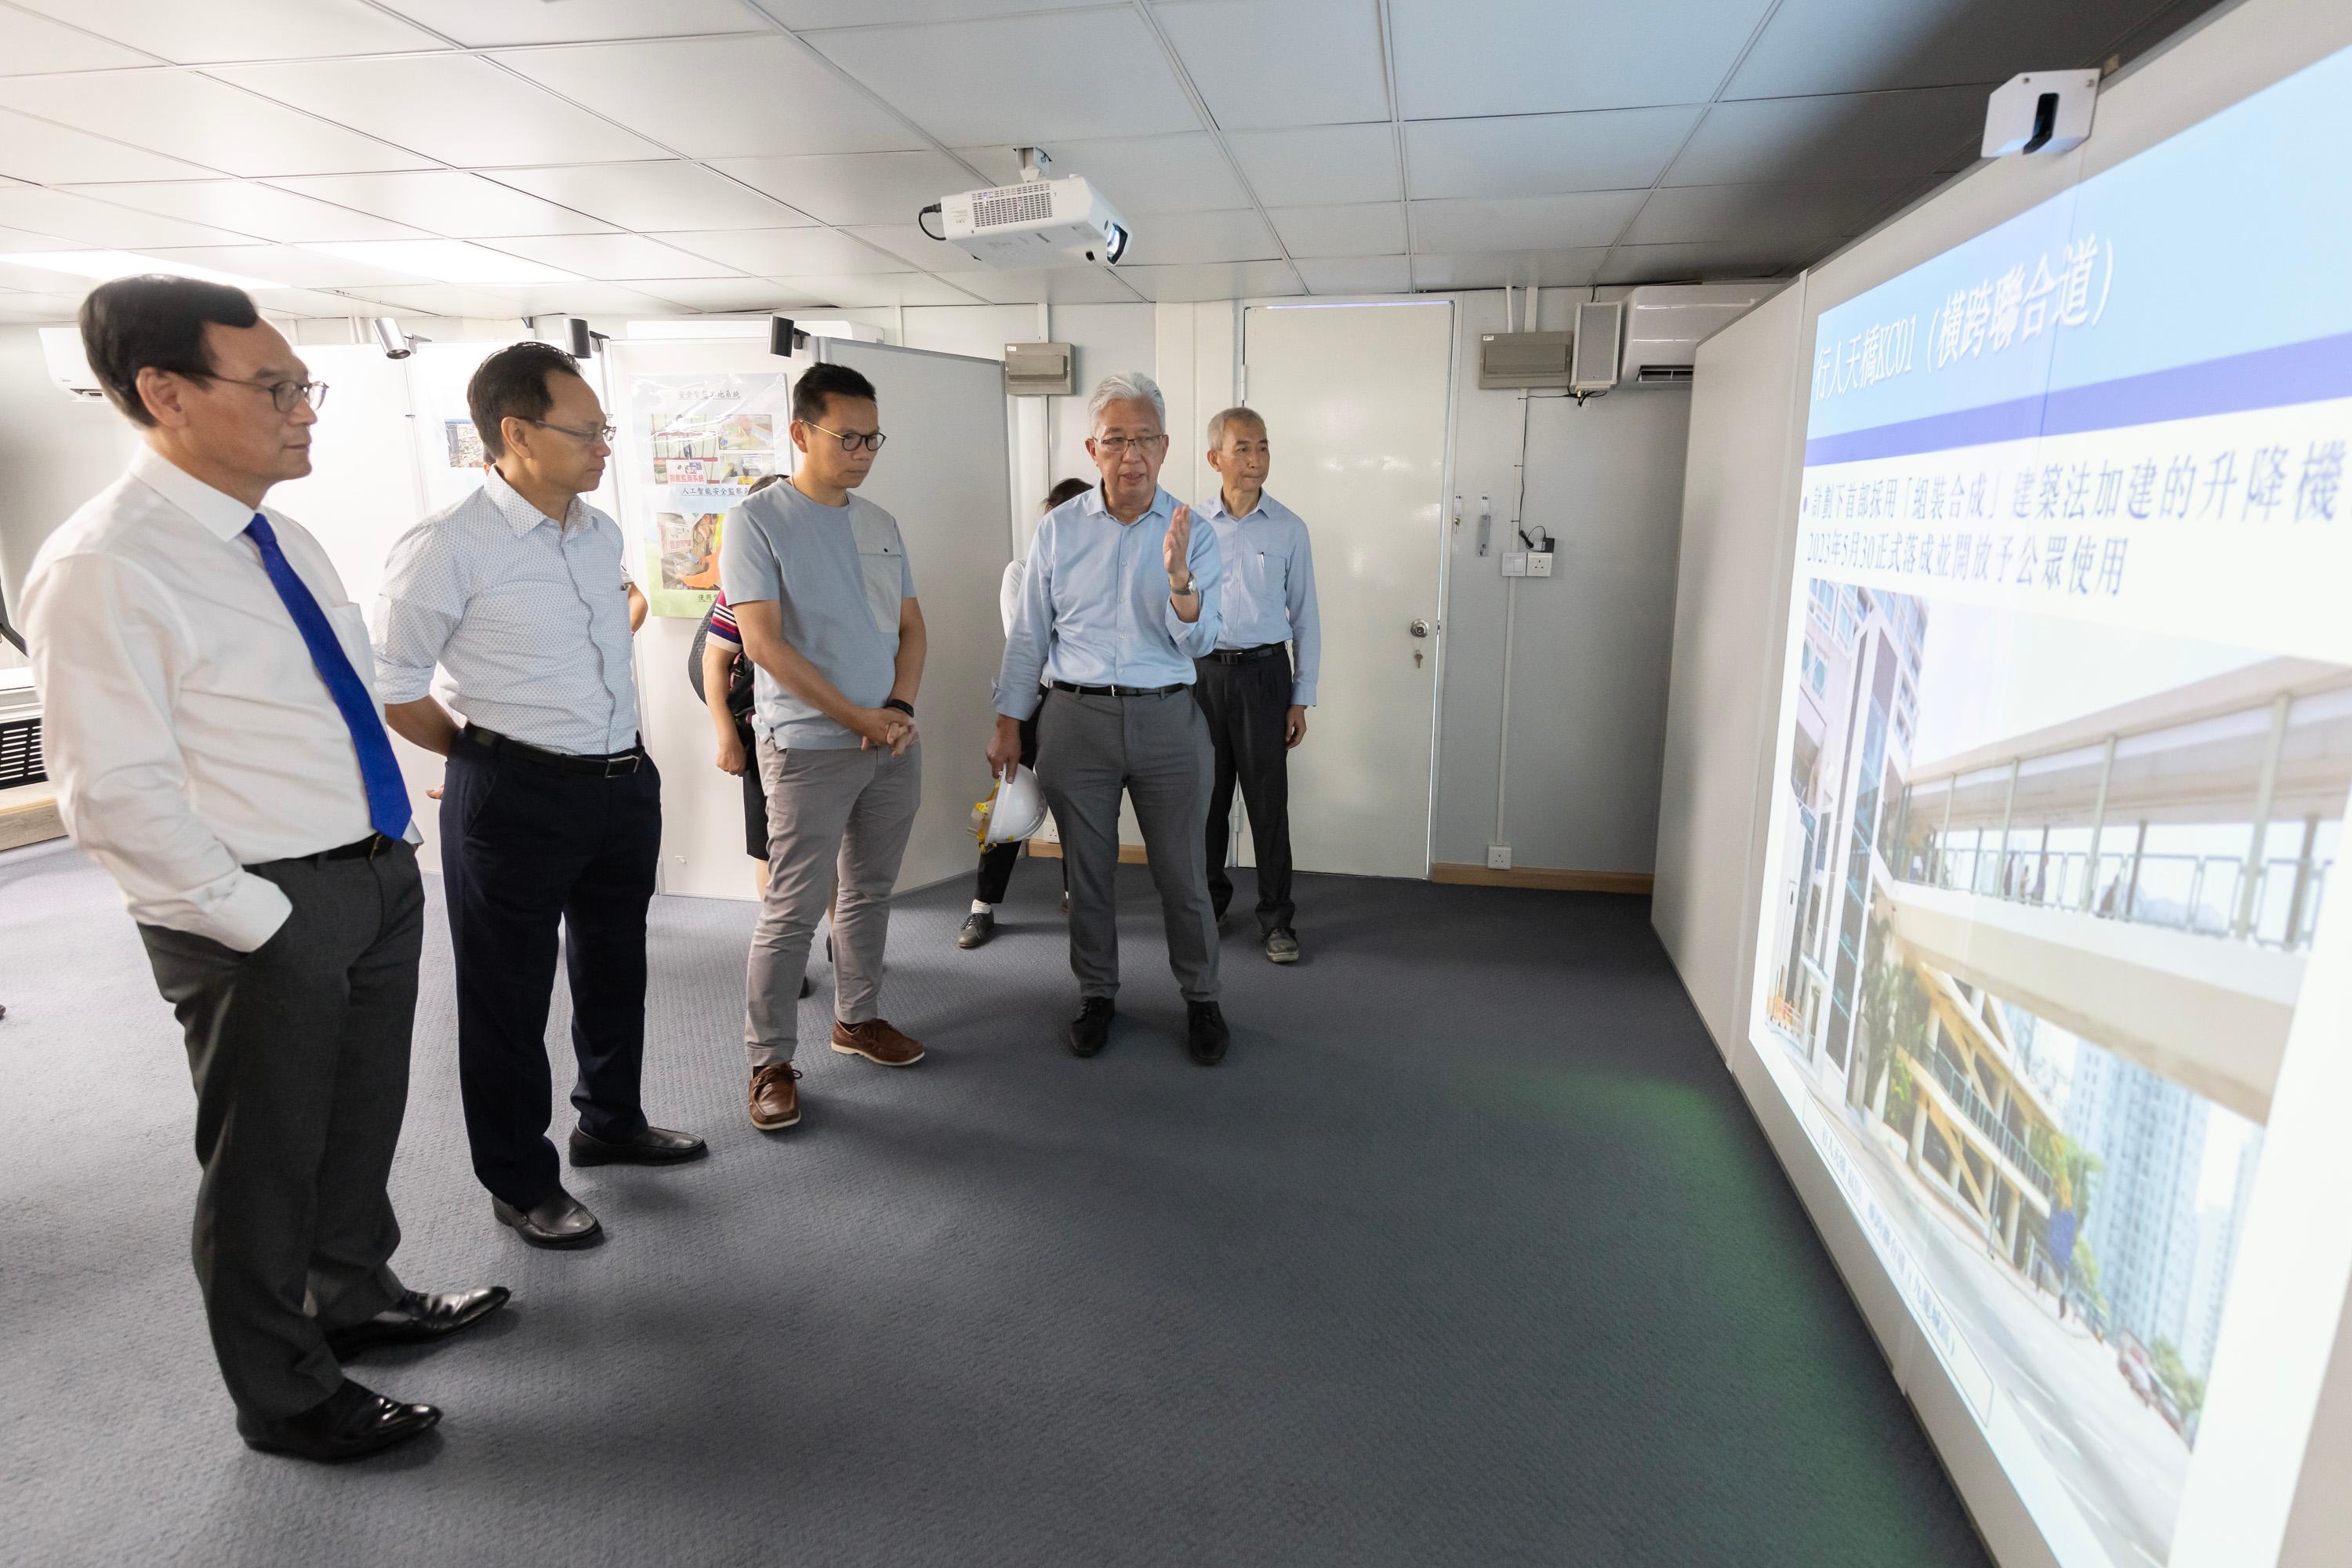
(1039, 222)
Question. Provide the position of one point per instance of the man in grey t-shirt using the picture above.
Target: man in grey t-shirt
(823, 594)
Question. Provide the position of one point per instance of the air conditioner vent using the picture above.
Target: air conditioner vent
(1664, 375)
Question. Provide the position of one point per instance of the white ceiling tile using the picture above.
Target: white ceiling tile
(853, 187)
(89, 222)
(248, 206)
(1327, 164)
(43, 153)
(245, 30)
(1763, 214)
(312, 302)
(1855, 46)
(1245, 57)
(721, 98)
(1841, 137)
(882, 13)
(460, 110)
(1544, 155)
(582, 298)
(910, 243)
(1572, 268)
(1182, 238)
(1050, 285)
(485, 23)
(787, 252)
(192, 116)
(1243, 281)
(665, 194)
(29, 45)
(1365, 228)
(1690, 263)
(447, 261)
(1020, 80)
(1528, 223)
(613, 257)
(862, 291)
(1140, 175)
(286, 264)
(445, 201)
(1539, 56)
(1357, 274)
(442, 300)
(722, 293)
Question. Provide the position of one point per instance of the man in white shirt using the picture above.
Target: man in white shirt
(551, 809)
(1118, 598)
(218, 749)
(1254, 696)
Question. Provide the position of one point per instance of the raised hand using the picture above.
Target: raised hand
(1175, 551)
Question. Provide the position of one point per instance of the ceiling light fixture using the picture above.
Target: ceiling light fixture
(106, 265)
(444, 261)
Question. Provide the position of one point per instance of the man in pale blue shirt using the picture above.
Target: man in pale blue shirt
(550, 810)
(1254, 696)
(1119, 598)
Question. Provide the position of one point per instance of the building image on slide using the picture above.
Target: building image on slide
(2037, 984)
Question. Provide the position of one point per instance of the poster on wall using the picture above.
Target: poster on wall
(700, 441)
(2065, 749)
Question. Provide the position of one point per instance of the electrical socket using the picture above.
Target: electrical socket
(1498, 856)
(1540, 563)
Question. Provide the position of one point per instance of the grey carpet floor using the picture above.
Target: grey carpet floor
(1469, 1254)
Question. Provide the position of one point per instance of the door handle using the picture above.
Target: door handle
(1419, 628)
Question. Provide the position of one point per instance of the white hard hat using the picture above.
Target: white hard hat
(1013, 810)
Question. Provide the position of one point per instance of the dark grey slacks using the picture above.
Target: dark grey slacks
(1157, 750)
(300, 1054)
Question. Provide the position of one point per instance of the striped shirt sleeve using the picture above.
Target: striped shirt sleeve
(722, 622)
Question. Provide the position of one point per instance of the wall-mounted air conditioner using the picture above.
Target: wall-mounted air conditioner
(1665, 322)
(68, 367)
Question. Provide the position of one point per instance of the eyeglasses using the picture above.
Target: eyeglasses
(872, 442)
(285, 394)
(601, 432)
(1117, 446)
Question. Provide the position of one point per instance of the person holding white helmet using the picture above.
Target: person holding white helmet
(1119, 598)
(996, 861)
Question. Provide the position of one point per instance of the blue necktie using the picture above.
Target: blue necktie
(387, 793)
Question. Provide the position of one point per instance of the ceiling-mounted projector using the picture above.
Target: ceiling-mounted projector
(1038, 222)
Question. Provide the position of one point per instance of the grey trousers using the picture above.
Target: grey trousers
(1157, 749)
(832, 814)
(299, 1053)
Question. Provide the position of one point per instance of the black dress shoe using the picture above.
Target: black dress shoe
(978, 927)
(562, 1221)
(417, 1318)
(352, 1423)
(1206, 1036)
(1090, 1030)
(654, 1146)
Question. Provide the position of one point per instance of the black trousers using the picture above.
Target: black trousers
(300, 1054)
(755, 794)
(997, 861)
(1248, 710)
(526, 848)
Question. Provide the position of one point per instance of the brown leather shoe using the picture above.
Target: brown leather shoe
(876, 1041)
(775, 1097)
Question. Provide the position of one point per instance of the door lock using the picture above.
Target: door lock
(1419, 628)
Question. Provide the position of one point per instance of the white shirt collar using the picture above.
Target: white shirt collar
(520, 515)
(223, 515)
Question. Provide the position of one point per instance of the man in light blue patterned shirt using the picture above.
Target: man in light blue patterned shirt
(550, 811)
(1120, 596)
(1255, 700)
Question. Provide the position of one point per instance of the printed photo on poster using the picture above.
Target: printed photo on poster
(700, 441)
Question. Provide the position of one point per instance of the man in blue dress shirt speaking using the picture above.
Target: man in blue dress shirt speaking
(1119, 598)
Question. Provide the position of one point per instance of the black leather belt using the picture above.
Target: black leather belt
(610, 766)
(1248, 655)
(1117, 690)
(366, 848)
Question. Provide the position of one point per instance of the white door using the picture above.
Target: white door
(1355, 400)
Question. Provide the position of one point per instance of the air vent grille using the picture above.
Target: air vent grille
(1014, 203)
